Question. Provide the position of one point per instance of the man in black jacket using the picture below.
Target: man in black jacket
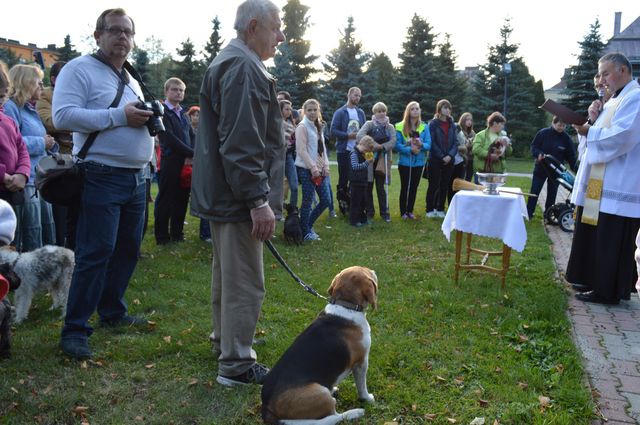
(176, 145)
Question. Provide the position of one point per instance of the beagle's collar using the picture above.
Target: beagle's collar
(346, 304)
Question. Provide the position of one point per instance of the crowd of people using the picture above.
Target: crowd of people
(231, 156)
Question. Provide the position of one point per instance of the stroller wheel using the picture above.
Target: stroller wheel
(566, 220)
(552, 214)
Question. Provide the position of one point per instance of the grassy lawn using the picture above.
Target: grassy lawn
(441, 353)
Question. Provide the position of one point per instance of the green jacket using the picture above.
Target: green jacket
(239, 135)
(481, 144)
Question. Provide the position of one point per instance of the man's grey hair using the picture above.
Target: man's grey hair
(618, 59)
(253, 9)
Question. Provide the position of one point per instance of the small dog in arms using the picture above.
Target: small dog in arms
(298, 390)
(44, 269)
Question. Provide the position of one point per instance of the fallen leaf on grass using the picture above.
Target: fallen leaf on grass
(523, 337)
(80, 410)
(523, 385)
(139, 418)
(414, 407)
(452, 420)
(192, 382)
(477, 421)
(544, 401)
(440, 378)
(498, 370)
(458, 381)
(430, 416)
(167, 339)
(560, 368)
(150, 365)
(14, 390)
(48, 389)
(83, 364)
(483, 403)
(391, 423)
(136, 301)
(495, 422)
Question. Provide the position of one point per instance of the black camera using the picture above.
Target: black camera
(154, 124)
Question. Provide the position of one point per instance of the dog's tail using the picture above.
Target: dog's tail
(349, 415)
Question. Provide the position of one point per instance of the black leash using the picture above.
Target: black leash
(276, 254)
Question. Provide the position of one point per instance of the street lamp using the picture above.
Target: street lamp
(506, 70)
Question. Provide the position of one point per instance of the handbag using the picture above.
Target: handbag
(59, 179)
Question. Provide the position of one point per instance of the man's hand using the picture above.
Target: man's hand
(264, 223)
(594, 110)
(136, 117)
(15, 182)
(446, 160)
(582, 129)
(353, 135)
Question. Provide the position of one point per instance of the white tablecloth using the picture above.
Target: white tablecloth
(494, 216)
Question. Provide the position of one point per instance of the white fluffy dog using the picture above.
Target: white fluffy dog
(48, 268)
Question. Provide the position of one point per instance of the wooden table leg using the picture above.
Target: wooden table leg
(506, 256)
(458, 249)
(469, 235)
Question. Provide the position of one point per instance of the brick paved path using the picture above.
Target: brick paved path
(609, 338)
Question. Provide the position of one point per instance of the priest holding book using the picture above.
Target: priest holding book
(607, 191)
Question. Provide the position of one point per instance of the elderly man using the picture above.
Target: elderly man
(240, 133)
(91, 98)
(607, 191)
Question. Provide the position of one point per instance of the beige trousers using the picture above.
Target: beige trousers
(237, 291)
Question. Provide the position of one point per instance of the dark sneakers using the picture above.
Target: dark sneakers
(78, 348)
(123, 321)
(254, 375)
(592, 297)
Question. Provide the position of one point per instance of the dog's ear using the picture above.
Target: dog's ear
(334, 284)
(370, 288)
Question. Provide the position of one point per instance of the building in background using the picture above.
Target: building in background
(25, 51)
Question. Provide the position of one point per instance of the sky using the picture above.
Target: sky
(547, 31)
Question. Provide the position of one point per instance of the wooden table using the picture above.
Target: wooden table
(494, 216)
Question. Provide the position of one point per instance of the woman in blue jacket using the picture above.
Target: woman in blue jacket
(444, 147)
(35, 218)
(413, 141)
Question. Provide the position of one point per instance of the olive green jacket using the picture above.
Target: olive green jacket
(481, 144)
(239, 135)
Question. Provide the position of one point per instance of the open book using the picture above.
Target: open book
(567, 115)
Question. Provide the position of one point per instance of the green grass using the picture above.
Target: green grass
(439, 351)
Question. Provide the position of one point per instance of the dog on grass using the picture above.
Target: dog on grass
(292, 230)
(298, 390)
(44, 269)
(9, 281)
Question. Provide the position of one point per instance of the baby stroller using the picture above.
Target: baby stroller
(560, 213)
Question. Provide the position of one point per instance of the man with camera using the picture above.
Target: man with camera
(95, 95)
(176, 143)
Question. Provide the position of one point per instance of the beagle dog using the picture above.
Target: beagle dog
(298, 389)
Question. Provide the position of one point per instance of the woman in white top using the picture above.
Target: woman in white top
(312, 164)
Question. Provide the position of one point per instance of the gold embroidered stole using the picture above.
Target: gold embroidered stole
(593, 195)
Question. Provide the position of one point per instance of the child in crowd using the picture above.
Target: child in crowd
(360, 176)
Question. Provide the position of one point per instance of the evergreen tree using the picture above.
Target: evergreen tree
(67, 52)
(293, 63)
(344, 67)
(190, 71)
(580, 92)
(159, 68)
(380, 75)
(8, 57)
(524, 118)
(214, 44)
(140, 61)
(416, 72)
(450, 85)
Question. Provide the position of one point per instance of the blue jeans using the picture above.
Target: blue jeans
(108, 237)
(35, 226)
(307, 215)
(292, 177)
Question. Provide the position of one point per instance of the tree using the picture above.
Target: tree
(344, 66)
(8, 57)
(140, 59)
(380, 76)
(160, 65)
(214, 44)
(416, 68)
(450, 86)
(293, 63)
(580, 92)
(190, 71)
(67, 51)
(524, 118)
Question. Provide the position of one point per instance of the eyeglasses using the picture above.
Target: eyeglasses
(115, 31)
